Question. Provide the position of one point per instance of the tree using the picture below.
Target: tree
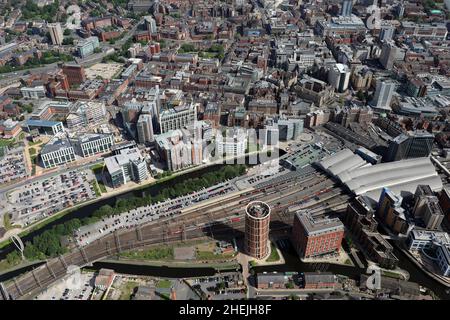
(67, 32)
(68, 41)
(13, 258)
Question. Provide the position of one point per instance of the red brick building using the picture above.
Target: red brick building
(75, 74)
(313, 236)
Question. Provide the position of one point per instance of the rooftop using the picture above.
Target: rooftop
(258, 209)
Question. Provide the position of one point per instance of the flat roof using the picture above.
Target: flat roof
(42, 123)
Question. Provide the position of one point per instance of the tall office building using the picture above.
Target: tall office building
(383, 94)
(289, 129)
(145, 129)
(433, 215)
(179, 149)
(412, 145)
(56, 33)
(150, 24)
(389, 54)
(346, 8)
(386, 32)
(339, 77)
(257, 221)
(391, 212)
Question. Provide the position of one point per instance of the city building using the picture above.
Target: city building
(56, 33)
(390, 53)
(128, 165)
(57, 152)
(87, 145)
(360, 221)
(410, 145)
(85, 113)
(424, 31)
(44, 126)
(444, 201)
(315, 90)
(386, 32)
(179, 149)
(346, 10)
(37, 92)
(87, 46)
(316, 236)
(339, 75)
(75, 73)
(368, 155)
(383, 94)
(144, 127)
(150, 24)
(433, 215)
(274, 280)
(443, 256)
(419, 239)
(340, 26)
(104, 279)
(319, 280)
(257, 222)
(289, 129)
(233, 144)
(177, 117)
(391, 213)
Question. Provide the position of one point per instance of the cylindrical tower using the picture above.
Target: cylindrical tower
(257, 220)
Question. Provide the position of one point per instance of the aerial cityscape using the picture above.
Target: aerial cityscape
(224, 150)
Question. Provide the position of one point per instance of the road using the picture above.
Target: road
(211, 221)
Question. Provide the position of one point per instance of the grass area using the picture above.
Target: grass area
(96, 189)
(31, 143)
(7, 222)
(394, 275)
(165, 296)
(274, 256)
(127, 290)
(33, 159)
(208, 255)
(6, 142)
(149, 254)
(207, 55)
(166, 284)
(6, 265)
(32, 151)
(101, 186)
(348, 262)
(97, 168)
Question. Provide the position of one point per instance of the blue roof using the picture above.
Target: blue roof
(41, 123)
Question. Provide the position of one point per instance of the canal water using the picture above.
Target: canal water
(292, 263)
(87, 210)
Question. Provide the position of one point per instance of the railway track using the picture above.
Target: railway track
(213, 220)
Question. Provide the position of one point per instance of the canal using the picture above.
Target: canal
(152, 190)
(292, 263)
